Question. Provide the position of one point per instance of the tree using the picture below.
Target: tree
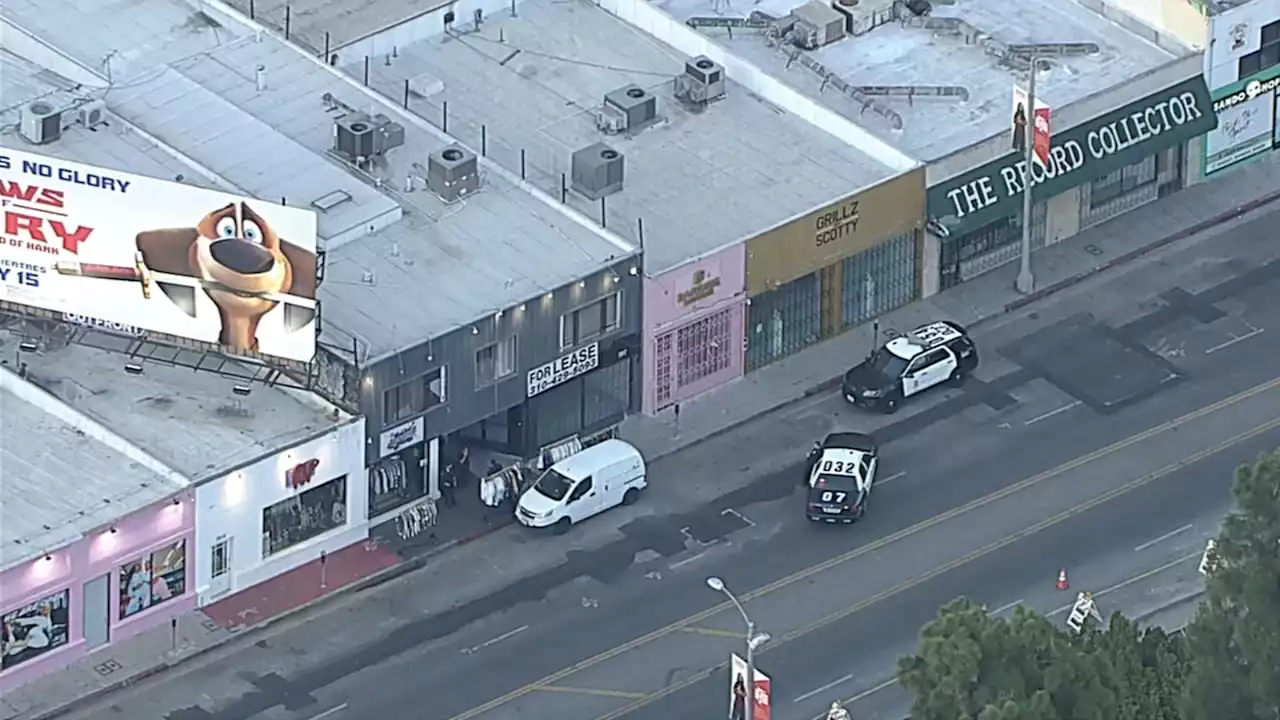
(1235, 638)
(973, 666)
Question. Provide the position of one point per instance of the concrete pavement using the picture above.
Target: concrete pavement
(634, 571)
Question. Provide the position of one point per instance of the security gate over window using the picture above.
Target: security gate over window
(691, 353)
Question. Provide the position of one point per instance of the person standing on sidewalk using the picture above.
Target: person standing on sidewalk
(449, 484)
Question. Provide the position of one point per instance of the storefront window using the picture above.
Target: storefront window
(153, 578)
(880, 279)
(606, 395)
(558, 412)
(34, 630)
(784, 321)
(396, 480)
(705, 347)
(306, 515)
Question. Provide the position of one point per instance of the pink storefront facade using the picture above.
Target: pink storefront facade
(114, 582)
(693, 327)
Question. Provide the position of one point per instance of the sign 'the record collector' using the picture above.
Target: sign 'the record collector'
(159, 256)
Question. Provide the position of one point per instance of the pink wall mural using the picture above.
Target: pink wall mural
(113, 583)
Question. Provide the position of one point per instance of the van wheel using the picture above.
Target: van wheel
(631, 496)
(562, 526)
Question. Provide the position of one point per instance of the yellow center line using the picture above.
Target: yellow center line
(1118, 586)
(869, 548)
(714, 633)
(589, 691)
(953, 564)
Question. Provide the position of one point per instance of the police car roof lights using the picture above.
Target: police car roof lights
(934, 334)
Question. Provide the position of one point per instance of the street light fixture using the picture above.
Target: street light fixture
(754, 641)
(1032, 54)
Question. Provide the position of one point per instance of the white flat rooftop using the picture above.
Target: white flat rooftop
(900, 55)
(109, 145)
(696, 180)
(58, 482)
(189, 421)
(494, 250)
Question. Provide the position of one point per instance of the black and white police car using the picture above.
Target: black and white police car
(910, 364)
(842, 471)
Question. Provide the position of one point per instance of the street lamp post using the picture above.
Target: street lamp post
(1026, 282)
(754, 640)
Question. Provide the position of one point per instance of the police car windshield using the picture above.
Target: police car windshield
(553, 484)
(843, 483)
(888, 364)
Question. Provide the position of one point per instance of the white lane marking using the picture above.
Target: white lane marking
(331, 711)
(1009, 606)
(687, 560)
(494, 641)
(1163, 537)
(824, 688)
(1234, 340)
(740, 516)
(1051, 413)
(891, 478)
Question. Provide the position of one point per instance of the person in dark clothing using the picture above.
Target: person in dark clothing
(739, 709)
(449, 484)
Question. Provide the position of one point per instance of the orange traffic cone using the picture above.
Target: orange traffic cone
(1062, 580)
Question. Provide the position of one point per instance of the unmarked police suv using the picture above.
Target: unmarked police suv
(841, 474)
(910, 364)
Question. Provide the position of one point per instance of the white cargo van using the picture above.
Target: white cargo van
(585, 484)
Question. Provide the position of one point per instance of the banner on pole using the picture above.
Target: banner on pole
(1041, 125)
(738, 692)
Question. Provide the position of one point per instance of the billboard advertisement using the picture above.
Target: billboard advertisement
(1040, 134)
(127, 250)
(760, 704)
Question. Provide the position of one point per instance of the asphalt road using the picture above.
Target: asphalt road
(636, 636)
(850, 658)
(629, 628)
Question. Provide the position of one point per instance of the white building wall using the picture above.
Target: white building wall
(1234, 33)
(231, 508)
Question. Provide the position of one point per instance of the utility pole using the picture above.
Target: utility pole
(1026, 281)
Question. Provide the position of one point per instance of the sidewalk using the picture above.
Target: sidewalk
(803, 375)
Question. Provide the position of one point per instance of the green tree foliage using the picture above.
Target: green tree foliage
(971, 666)
(1235, 639)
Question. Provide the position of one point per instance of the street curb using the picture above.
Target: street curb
(1184, 598)
(378, 578)
(1018, 304)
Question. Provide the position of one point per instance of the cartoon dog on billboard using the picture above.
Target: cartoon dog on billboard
(233, 256)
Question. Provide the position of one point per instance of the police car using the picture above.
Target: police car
(840, 478)
(910, 364)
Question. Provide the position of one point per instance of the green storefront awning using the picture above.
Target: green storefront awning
(1077, 155)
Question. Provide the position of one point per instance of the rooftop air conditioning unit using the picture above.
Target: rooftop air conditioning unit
(820, 22)
(597, 171)
(610, 120)
(703, 81)
(92, 114)
(353, 136)
(861, 16)
(638, 106)
(453, 173)
(41, 123)
(387, 134)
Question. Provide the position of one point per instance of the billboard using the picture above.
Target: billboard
(738, 692)
(127, 250)
(1040, 134)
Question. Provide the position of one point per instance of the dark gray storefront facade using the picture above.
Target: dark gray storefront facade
(563, 364)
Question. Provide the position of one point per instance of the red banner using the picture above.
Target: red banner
(761, 698)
